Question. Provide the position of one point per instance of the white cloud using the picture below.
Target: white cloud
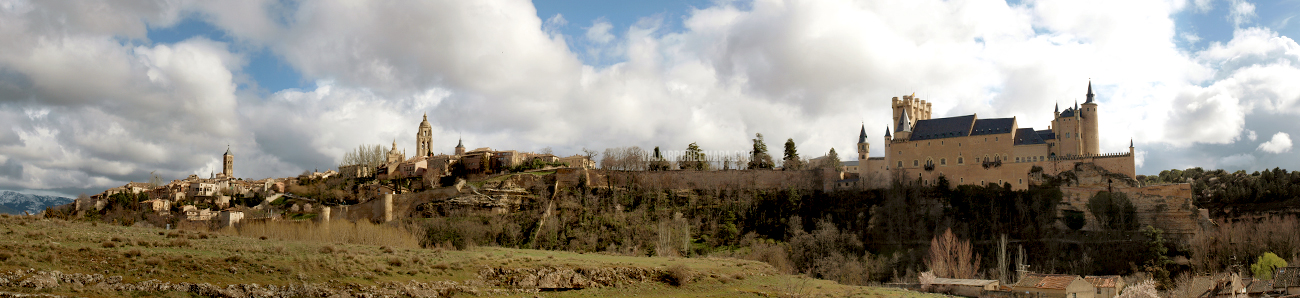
(1280, 143)
(500, 76)
(599, 32)
(1241, 12)
(1250, 135)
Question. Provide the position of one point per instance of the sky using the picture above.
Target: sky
(95, 94)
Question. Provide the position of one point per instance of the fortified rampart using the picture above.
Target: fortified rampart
(820, 179)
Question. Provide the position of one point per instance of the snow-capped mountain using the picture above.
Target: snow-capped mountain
(16, 202)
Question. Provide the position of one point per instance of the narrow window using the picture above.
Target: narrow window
(943, 161)
(900, 164)
(960, 160)
(916, 163)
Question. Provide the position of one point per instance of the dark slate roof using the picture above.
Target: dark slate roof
(1027, 136)
(941, 128)
(1046, 134)
(992, 126)
(1068, 113)
(1287, 277)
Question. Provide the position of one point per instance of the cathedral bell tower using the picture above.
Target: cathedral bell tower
(424, 138)
(228, 163)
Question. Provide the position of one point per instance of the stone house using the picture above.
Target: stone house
(356, 171)
(156, 204)
(1054, 286)
(578, 161)
(1108, 286)
(201, 189)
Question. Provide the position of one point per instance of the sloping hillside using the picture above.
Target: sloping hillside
(84, 259)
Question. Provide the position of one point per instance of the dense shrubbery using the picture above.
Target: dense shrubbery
(1220, 188)
(854, 237)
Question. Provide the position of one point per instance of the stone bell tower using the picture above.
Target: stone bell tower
(228, 163)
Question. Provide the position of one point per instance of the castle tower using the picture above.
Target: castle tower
(424, 138)
(228, 163)
(913, 107)
(1089, 134)
(863, 147)
(460, 147)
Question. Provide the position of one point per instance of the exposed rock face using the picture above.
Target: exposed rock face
(566, 278)
(41, 280)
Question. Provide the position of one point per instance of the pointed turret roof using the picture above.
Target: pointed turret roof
(862, 137)
(904, 124)
(887, 131)
(1058, 108)
(459, 144)
(1090, 95)
(227, 149)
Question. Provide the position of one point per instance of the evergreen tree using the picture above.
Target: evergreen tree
(693, 159)
(758, 158)
(791, 160)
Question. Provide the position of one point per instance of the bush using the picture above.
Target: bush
(154, 261)
(1264, 266)
(677, 275)
(131, 253)
(108, 244)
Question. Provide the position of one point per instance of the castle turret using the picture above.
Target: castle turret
(863, 147)
(904, 130)
(460, 147)
(1090, 139)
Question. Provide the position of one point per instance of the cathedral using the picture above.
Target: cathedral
(970, 150)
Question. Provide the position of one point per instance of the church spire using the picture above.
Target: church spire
(1090, 95)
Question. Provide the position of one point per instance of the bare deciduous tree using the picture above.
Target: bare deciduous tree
(950, 257)
(370, 155)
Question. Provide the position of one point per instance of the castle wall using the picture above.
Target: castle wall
(733, 179)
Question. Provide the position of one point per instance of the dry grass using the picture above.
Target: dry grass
(362, 232)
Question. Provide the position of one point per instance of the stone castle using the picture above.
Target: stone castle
(974, 151)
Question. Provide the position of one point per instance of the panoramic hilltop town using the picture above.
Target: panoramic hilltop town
(1056, 179)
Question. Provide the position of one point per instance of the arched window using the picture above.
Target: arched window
(900, 164)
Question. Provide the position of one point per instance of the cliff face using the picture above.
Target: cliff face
(1168, 206)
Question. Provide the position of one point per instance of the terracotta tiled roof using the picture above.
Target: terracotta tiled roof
(1046, 281)
(1103, 281)
(1287, 277)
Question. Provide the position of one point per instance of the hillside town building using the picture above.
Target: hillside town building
(974, 151)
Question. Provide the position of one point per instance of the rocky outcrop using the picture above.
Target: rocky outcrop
(566, 278)
(45, 280)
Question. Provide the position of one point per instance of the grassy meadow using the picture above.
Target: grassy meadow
(348, 254)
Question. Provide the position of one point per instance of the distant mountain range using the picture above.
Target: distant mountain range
(15, 202)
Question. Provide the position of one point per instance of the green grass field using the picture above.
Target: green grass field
(223, 258)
